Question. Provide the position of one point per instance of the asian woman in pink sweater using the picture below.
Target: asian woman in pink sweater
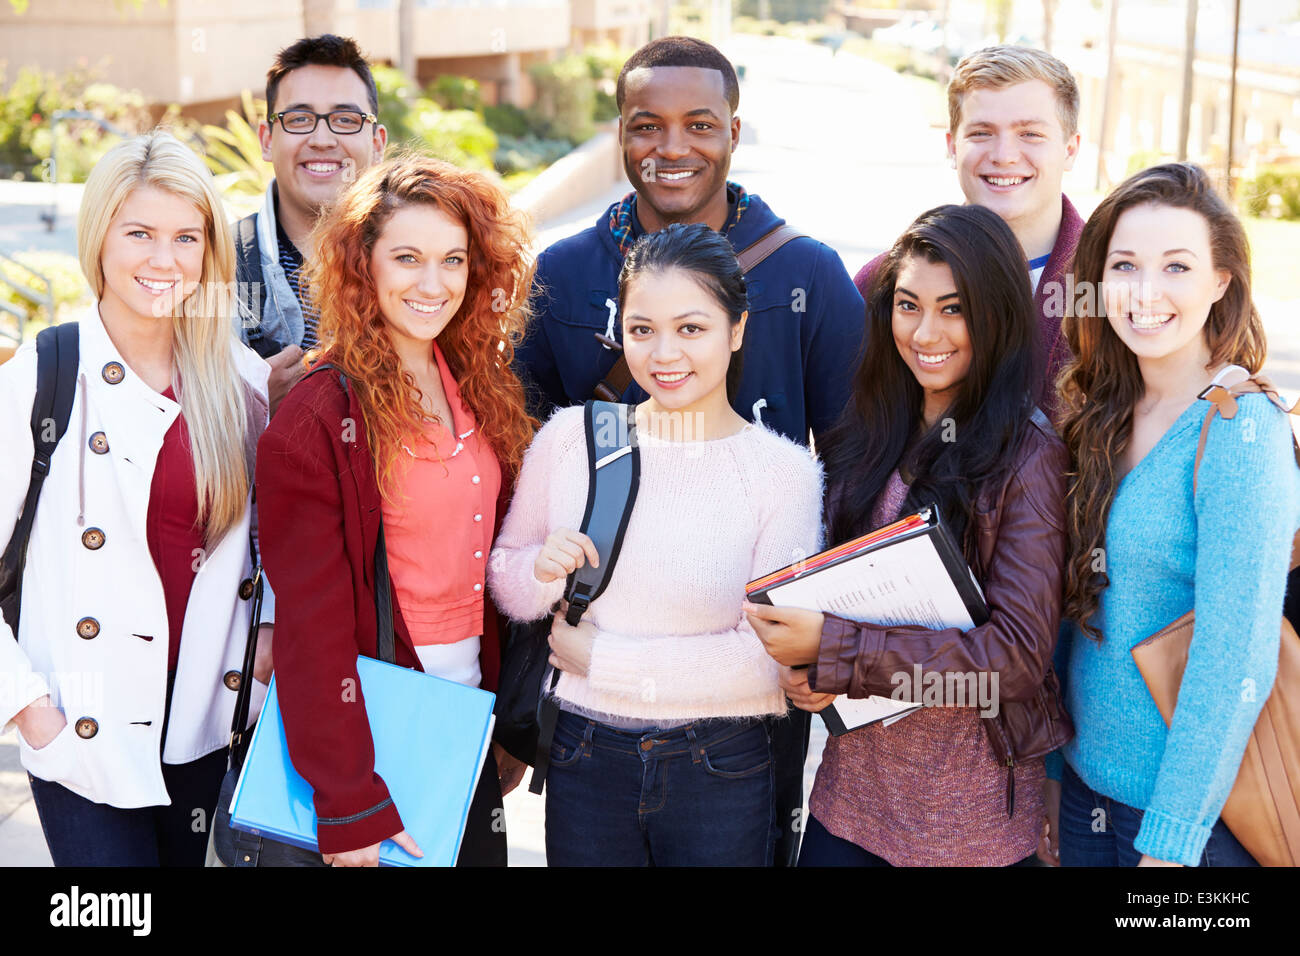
(661, 753)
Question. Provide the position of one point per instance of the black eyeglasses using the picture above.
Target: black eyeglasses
(342, 122)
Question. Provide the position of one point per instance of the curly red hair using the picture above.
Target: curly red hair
(479, 342)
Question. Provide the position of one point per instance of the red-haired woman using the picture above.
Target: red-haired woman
(422, 277)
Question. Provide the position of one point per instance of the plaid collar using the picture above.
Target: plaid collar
(626, 228)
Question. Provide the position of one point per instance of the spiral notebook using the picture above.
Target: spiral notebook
(910, 572)
(431, 738)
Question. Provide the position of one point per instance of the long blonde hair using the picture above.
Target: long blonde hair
(209, 388)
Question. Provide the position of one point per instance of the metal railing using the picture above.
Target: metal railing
(43, 300)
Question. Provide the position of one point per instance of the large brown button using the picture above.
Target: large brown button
(87, 628)
(92, 538)
(246, 589)
(87, 727)
(113, 373)
(232, 679)
(647, 745)
(99, 443)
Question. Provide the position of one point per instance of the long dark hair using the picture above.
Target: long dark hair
(708, 258)
(1103, 382)
(882, 427)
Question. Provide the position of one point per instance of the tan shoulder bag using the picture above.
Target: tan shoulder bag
(1263, 809)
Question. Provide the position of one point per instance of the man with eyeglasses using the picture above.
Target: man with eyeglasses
(320, 133)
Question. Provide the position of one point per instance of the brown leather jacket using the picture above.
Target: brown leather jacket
(1021, 528)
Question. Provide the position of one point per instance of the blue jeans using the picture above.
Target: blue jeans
(1099, 831)
(81, 832)
(697, 795)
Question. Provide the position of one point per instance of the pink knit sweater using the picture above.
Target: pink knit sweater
(671, 641)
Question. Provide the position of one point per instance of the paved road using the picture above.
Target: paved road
(843, 148)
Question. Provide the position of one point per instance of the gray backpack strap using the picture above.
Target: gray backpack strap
(613, 475)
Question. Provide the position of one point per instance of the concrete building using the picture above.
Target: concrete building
(202, 53)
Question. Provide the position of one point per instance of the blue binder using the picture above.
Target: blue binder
(431, 738)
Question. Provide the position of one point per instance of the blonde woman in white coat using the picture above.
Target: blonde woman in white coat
(123, 675)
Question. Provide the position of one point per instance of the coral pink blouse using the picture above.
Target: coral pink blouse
(439, 530)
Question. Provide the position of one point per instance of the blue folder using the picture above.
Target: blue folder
(431, 738)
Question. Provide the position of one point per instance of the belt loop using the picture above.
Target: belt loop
(586, 737)
(696, 750)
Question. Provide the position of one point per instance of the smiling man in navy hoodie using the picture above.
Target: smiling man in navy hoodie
(677, 99)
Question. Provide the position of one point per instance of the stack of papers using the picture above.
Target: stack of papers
(910, 572)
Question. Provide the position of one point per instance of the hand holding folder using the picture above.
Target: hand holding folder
(910, 572)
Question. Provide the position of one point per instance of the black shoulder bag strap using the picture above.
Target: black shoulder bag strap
(385, 636)
(613, 475)
(57, 358)
(251, 588)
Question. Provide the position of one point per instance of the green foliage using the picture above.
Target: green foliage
(416, 121)
(26, 110)
(506, 119)
(566, 99)
(458, 136)
(1145, 159)
(234, 153)
(64, 272)
(787, 11)
(519, 154)
(455, 92)
(1274, 193)
(604, 63)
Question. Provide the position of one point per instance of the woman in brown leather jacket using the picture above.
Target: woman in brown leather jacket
(945, 417)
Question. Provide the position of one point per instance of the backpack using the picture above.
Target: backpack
(57, 359)
(526, 709)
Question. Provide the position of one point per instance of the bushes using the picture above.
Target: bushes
(67, 283)
(787, 11)
(566, 99)
(517, 154)
(1274, 193)
(417, 120)
(27, 105)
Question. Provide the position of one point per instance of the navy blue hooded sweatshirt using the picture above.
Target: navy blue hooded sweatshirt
(802, 341)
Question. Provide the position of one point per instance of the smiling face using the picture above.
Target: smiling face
(1159, 281)
(420, 267)
(1011, 152)
(152, 257)
(930, 331)
(311, 168)
(678, 341)
(678, 134)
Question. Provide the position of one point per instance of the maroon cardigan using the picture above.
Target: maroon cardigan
(1049, 303)
(319, 512)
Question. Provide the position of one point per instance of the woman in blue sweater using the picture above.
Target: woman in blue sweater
(1173, 315)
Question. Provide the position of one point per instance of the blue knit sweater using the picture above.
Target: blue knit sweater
(1226, 554)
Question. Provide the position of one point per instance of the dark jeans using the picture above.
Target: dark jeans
(697, 795)
(80, 832)
(823, 848)
(1099, 831)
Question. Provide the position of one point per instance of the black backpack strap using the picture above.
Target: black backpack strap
(613, 476)
(57, 359)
